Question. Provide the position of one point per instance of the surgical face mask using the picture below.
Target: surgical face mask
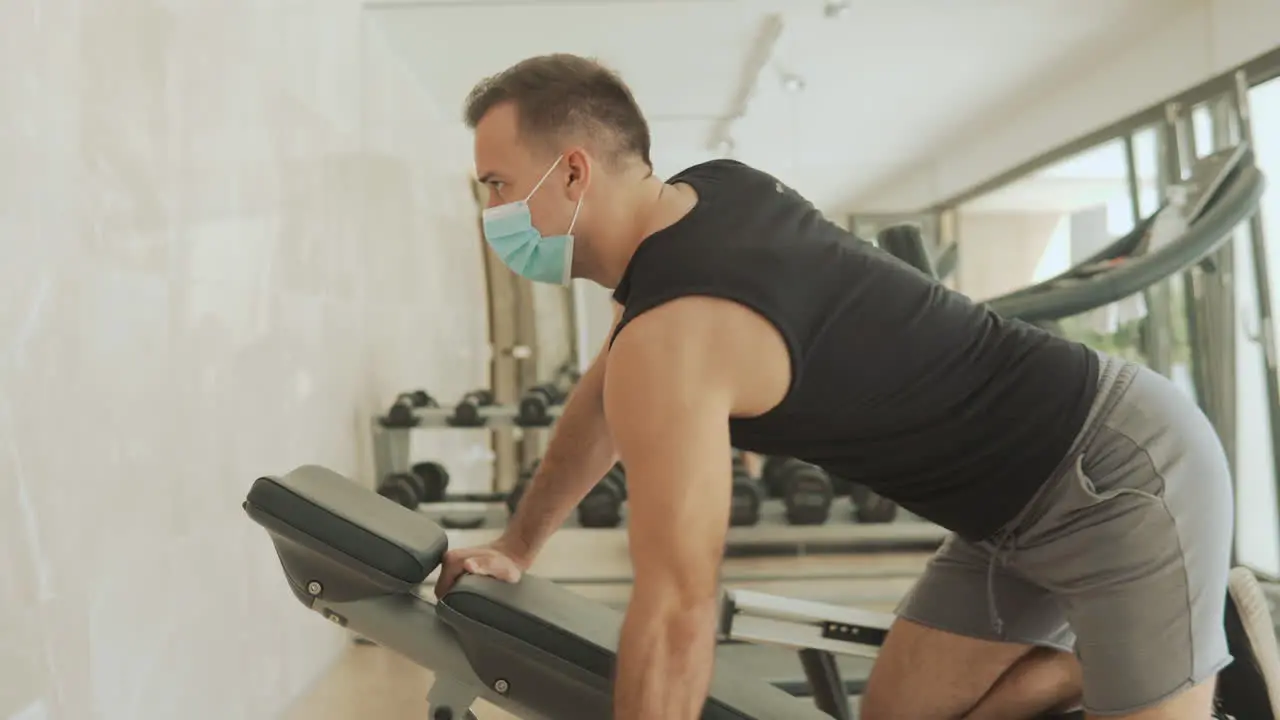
(510, 232)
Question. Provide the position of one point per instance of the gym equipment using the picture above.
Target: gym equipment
(401, 414)
(487, 416)
(807, 491)
(906, 243)
(400, 488)
(467, 412)
(817, 632)
(535, 403)
(462, 522)
(602, 505)
(532, 648)
(868, 507)
(774, 481)
(1223, 190)
(747, 497)
(435, 480)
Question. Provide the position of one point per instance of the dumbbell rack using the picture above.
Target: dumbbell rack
(391, 441)
(772, 535)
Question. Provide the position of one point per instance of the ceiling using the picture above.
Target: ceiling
(884, 84)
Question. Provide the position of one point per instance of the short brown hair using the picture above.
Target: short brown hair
(559, 93)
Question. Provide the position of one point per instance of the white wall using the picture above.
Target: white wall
(1198, 42)
(1000, 251)
(228, 233)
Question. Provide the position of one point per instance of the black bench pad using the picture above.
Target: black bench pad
(323, 510)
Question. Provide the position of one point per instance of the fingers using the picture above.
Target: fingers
(450, 571)
(495, 566)
(460, 562)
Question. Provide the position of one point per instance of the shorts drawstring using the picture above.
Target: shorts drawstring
(1004, 546)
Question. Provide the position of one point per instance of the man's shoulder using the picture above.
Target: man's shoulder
(723, 168)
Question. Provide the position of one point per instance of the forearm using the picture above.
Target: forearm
(579, 454)
(665, 659)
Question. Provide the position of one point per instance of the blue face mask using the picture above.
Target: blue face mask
(510, 232)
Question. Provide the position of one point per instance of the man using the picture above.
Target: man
(1090, 500)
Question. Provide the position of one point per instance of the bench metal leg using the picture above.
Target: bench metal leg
(824, 678)
(449, 700)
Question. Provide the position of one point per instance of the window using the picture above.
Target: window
(1037, 226)
(1257, 524)
(1264, 103)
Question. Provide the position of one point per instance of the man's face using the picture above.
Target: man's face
(509, 170)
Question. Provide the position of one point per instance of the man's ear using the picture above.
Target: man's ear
(578, 177)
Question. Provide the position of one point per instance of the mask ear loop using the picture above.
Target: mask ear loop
(569, 243)
(574, 221)
(545, 175)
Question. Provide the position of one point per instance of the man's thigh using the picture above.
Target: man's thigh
(1135, 540)
(923, 673)
(962, 626)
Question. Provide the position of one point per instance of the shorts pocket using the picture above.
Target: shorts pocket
(1132, 481)
(1081, 502)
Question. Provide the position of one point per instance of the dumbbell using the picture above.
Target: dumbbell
(400, 415)
(434, 480)
(602, 506)
(744, 508)
(467, 412)
(536, 402)
(522, 484)
(868, 507)
(746, 500)
(401, 488)
(807, 492)
(773, 476)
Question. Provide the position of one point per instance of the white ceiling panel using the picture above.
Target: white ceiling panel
(680, 58)
(884, 85)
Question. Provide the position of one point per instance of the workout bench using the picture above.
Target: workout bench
(532, 648)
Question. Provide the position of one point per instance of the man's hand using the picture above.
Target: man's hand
(669, 393)
(493, 560)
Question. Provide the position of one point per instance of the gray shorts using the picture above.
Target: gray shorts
(1122, 557)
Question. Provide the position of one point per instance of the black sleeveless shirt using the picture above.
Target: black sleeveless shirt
(898, 383)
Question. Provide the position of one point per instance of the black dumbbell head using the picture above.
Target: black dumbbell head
(534, 405)
(420, 398)
(435, 480)
(399, 489)
(410, 480)
(808, 495)
(602, 506)
(745, 502)
(868, 507)
(400, 414)
(774, 475)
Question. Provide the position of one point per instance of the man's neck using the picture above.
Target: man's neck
(637, 212)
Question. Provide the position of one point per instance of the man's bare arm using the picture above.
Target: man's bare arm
(579, 453)
(668, 400)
